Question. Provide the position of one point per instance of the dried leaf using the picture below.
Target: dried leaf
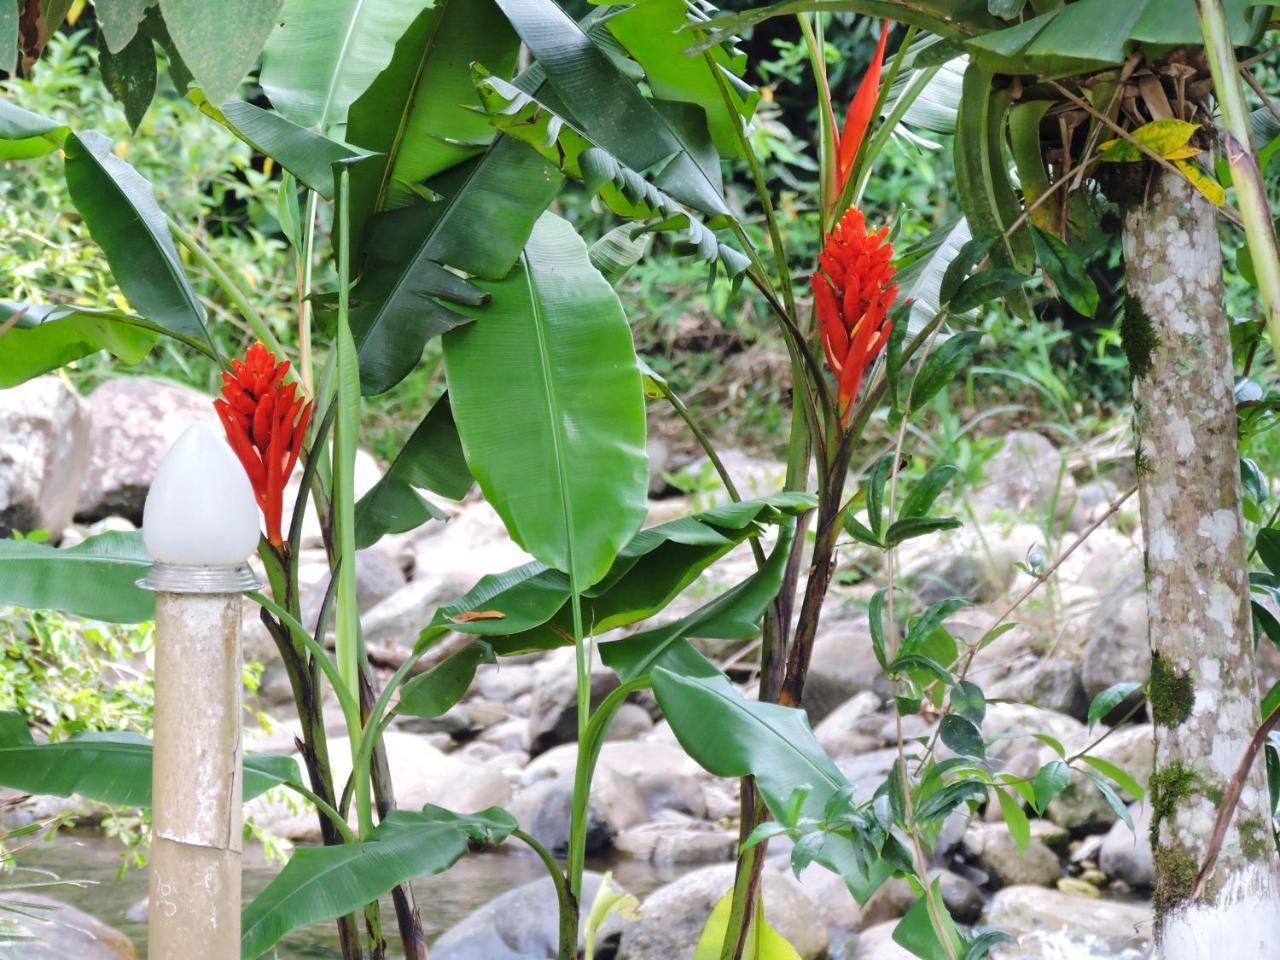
(473, 615)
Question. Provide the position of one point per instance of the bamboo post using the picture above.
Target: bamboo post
(200, 524)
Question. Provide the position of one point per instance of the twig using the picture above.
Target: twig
(13, 320)
(1257, 88)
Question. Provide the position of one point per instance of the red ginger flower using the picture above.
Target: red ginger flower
(852, 294)
(265, 423)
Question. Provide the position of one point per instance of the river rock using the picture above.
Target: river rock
(1117, 649)
(1049, 923)
(1016, 722)
(421, 774)
(852, 728)
(378, 576)
(1080, 805)
(398, 619)
(673, 916)
(542, 808)
(1126, 853)
(661, 775)
(678, 840)
(553, 715)
(135, 421)
(876, 943)
(44, 451)
(994, 848)
(843, 664)
(471, 545)
(60, 931)
(1049, 682)
(521, 924)
(1027, 475)
(895, 897)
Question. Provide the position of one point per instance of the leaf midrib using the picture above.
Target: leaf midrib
(344, 53)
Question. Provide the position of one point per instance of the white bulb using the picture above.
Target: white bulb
(200, 510)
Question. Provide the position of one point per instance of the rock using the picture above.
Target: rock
(843, 665)
(681, 840)
(631, 722)
(673, 916)
(367, 473)
(504, 682)
(378, 576)
(839, 911)
(1126, 854)
(1016, 722)
(659, 454)
(44, 451)
(61, 931)
(553, 715)
(753, 476)
(992, 846)
(661, 775)
(520, 924)
(397, 620)
(867, 771)
(135, 421)
(542, 808)
(423, 775)
(1080, 805)
(876, 943)
(896, 897)
(1049, 923)
(1052, 683)
(473, 544)
(1028, 475)
(1117, 649)
(852, 728)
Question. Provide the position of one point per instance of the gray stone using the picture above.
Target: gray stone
(852, 728)
(678, 840)
(1080, 805)
(521, 924)
(135, 421)
(542, 808)
(378, 576)
(876, 943)
(1117, 649)
(631, 722)
(1052, 683)
(44, 451)
(60, 931)
(867, 771)
(673, 916)
(471, 545)
(1028, 474)
(553, 716)
(843, 665)
(1016, 722)
(1049, 923)
(504, 682)
(367, 473)
(1126, 854)
(994, 848)
(660, 775)
(961, 897)
(397, 620)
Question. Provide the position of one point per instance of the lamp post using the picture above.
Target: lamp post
(200, 525)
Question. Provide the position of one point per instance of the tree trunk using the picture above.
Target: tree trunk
(1203, 691)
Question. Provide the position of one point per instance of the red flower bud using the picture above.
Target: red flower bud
(852, 293)
(265, 422)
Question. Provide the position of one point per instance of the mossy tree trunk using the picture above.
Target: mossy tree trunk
(1204, 696)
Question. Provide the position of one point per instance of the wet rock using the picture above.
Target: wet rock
(1126, 854)
(423, 774)
(60, 931)
(1047, 923)
(993, 847)
(521, 924)
(673, 916)
(44, 452)
(1117, 649)
(678, 840)
(852, 728)
(553, 715)
(542, 808)
(1080, 805)
(135, 421)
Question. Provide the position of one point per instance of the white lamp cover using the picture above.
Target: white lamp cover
(200, 510)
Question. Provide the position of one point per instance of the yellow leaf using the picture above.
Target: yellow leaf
(763, 942)
(1206, 184)
(1169, 139)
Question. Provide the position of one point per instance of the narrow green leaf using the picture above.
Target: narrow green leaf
(983, 288)
(1117, 805)
(942, 365)
(875, 492)
(1109, 699)
(926, 491)
(875, 618)
(1051, 780)
(970, 253)
(1268, 544)
(1106, 767)
(1067, 272)
(431, 694)
(1015, 818)
(908, 529)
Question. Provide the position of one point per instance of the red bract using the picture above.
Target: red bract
(858, 117)
(852, 294)
(265, 422)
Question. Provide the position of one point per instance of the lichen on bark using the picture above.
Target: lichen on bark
(1171, 692)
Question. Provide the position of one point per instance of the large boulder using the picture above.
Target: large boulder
(135, 421)
(843, 665)
(1126, 853)
(44, 450)
(60, 931)
(553, 715)
(1027, 475)
(423, 775)
(673, 916)
(521, 924)
(1118, 649)
(678, 840)
(1049, 923)
(543, 807)
(661, 776)
(992, 846)
(852, 728)
(876, 943)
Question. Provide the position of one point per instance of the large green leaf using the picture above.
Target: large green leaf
(396, 305)
(418, 112)
(528, 608)
(110, 768)
(947, 18)
(25, 134)
(119, 20)
(654, 32)
(327, 52)
(432, 460)
(93, 579)
(121, 212)
(623, 190)
(307, 155)
(733, 615)
(547, 397)
(9, 36)
(219, 40)
(130, 76)
(48, 337)
(320, 883)
(611, 110)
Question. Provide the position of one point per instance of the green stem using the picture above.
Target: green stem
(827, 122)
(304, 304)
(324, 807)
(582, 766)
(568, 948)
(302, 635)
(1259, 229)
(234, 293)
